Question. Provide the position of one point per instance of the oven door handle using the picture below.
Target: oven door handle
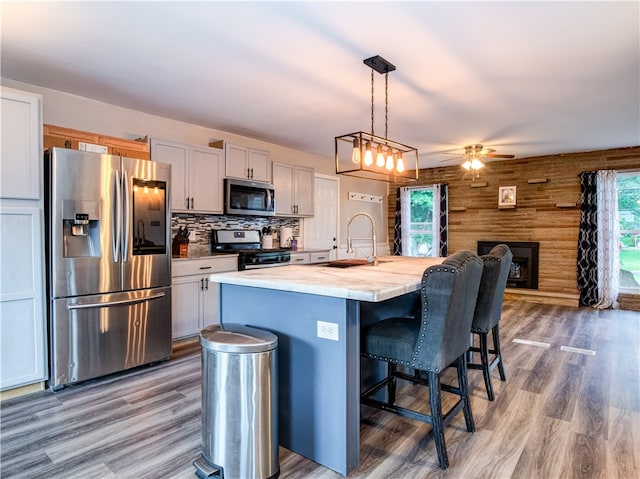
(266, 265)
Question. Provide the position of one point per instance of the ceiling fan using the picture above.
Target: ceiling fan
(473, 155)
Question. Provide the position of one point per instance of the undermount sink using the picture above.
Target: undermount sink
(347, 263)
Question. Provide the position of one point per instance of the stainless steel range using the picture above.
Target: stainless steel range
(248, 246)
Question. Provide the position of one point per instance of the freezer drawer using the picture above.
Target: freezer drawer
(93, 336)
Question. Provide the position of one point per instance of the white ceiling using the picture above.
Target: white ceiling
(527, 78)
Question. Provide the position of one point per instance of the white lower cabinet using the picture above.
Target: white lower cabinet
(194, 298)
(22, 342)
(320, 257)
(311, 257)
(300, 258)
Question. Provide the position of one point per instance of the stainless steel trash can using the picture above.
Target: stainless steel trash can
(239, 403)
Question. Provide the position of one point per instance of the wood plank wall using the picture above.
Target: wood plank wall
(474, 214)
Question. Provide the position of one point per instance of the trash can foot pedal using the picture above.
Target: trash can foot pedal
(204, 470)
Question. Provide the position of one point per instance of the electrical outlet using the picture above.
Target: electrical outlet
(328, 330)
(192, 235)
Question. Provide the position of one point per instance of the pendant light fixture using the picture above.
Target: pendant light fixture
(366, 155)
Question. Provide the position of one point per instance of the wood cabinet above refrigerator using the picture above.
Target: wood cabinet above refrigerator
(58, 136)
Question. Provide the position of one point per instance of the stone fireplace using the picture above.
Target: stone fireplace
(524, 266)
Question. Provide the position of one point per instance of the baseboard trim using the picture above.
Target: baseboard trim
(21, 391)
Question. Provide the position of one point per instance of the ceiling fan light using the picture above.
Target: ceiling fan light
(476, 164)
(466, 165)
(368, 155)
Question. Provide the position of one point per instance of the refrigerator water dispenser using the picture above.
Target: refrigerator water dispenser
(81, 228)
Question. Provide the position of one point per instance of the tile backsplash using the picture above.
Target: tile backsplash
(203, 224)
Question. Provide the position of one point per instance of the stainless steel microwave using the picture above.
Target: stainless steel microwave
(243, 197)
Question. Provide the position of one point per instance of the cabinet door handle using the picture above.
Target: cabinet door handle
(205, 267)
(206, 284)
(192, 202)
(187, 203)
(201, 284)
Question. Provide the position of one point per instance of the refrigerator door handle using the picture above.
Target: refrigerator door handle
(117, 217)
(118, 301)
(127, 219)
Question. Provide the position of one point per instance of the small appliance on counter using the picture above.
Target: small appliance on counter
(247, 244)
(286, 234)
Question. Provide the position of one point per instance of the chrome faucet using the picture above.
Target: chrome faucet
(374, 258)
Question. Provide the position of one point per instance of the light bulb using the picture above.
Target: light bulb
(400, 164)
(355, 156)
(380, 157)
(368, 155)
(466, 165)
(390, 163)
(476, 164)
(390, 160)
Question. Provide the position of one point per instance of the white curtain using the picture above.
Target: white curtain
(608, 238)
(405, 212)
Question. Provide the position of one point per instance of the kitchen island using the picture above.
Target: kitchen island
(315, 312)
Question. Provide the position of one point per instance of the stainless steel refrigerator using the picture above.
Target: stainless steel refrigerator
(109, 264)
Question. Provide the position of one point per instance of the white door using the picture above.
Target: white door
(321, 231)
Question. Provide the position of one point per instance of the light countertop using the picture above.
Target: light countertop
(394, 276)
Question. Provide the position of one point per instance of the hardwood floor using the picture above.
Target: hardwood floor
(561, 414)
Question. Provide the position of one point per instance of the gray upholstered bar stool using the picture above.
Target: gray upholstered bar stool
(435, 337)
(488, 312)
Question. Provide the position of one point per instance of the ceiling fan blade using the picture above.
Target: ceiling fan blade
(492, 155)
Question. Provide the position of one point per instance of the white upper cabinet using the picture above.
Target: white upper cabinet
(207, 170)
(21, 152)
(196, 175)
(294, 190)
(247, 163)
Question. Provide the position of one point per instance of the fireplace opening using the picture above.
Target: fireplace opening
(524, 265)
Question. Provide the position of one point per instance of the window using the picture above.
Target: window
(419, 232)
(628, 186)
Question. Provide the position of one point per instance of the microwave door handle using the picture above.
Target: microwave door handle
(117, 216)
(267, 206)
(127, 219)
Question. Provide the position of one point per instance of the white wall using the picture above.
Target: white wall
(70, 111)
